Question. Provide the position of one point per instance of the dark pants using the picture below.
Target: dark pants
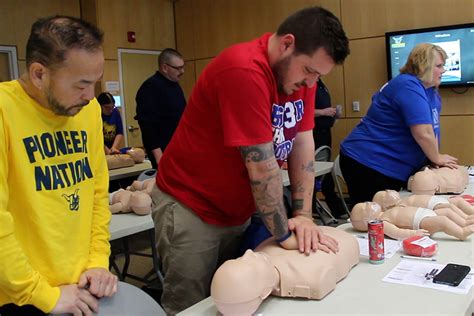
(152, 159)
(323, 137)
(15, 310)
(363, 182)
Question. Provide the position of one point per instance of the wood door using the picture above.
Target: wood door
(4, 67)
(136, 67)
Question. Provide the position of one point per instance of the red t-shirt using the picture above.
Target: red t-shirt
(234, 103)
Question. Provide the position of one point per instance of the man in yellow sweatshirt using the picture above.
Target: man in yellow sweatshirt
(54, 216)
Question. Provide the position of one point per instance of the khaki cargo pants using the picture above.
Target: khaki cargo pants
(190, 251)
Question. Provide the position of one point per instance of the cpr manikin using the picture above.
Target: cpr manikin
(390, 198)
(145, 185)
(123, 201)
(239, 286)
(439, 181)
(405, 221)
(130, 157)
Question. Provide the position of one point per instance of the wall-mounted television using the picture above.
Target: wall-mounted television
(456, 40)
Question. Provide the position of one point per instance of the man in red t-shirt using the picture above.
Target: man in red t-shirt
(251, 109)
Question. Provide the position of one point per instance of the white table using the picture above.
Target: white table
(320, 168)
(121, 227)
(131, 171)
(362, 292)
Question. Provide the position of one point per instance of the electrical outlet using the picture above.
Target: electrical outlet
(356, 106)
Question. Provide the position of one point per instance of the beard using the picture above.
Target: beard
(280, 70)
(60, 109)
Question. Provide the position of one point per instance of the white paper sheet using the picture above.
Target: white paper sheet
(390, 246)
(412, 272)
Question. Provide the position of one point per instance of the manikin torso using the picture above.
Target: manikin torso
(439, 181)
(404, 221)
(390, 198)
(239, 286)
(295, 268)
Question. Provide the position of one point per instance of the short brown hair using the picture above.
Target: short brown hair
(315, 28)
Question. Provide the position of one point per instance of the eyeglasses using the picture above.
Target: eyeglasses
(179, 68)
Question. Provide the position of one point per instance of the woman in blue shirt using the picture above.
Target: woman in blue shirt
(400, 131)
(112, 123)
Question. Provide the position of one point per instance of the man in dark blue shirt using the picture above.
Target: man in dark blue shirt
(160, 104)
(324, 117)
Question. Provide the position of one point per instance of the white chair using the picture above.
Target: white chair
(323, 153)
(337, 176)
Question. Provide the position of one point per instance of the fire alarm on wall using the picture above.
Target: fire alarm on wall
(131, 37)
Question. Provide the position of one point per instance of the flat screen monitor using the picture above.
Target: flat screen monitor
(456, 40)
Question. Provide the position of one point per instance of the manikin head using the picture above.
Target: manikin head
(137, 154)
(239, 286)
(387, 198)
(424, 182)
(123, 201)
(363, 213)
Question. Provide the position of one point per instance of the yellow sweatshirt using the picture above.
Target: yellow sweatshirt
(54, 211)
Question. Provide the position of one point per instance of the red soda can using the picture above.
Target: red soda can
(376, 245)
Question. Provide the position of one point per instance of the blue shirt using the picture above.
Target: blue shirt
(112, 125)
(382, 140)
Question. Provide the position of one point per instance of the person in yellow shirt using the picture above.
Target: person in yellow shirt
(54, 216)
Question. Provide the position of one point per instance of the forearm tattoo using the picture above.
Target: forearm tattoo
(267, 188)
(300, 189)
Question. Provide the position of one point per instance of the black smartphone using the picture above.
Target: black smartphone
(452, 274)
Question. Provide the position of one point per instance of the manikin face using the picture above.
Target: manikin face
(173, 69)
(363, 213)
(387, 198)
(69, 88)
(263, 275)
(438, 71)
(244, 279)
(240, 285)
(294, 72)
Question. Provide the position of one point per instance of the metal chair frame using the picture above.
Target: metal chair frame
(323, 153)
(337, 176)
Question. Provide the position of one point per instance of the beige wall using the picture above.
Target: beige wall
(205, 27)
(200, 29)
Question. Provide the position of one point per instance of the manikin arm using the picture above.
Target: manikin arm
(425, 137)
(394, 232)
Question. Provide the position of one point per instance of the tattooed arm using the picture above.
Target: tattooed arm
(301, 173)
(267, 187)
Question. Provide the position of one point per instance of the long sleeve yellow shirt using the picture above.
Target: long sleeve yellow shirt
(54, 211)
